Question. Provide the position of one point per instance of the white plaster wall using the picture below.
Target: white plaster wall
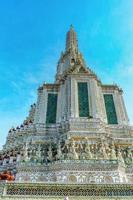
(123, 110)
(59, 106)
(40, 114)
(102, 105)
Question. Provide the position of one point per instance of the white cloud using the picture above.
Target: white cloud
(124, 70)
(129, 70)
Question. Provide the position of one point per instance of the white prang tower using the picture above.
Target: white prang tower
(78, 132)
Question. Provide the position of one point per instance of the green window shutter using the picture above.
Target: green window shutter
(83, 99)
(110, 109)
(51, 108)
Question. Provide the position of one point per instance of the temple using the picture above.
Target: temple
(76, 142)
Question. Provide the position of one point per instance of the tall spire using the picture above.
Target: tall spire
(71, 39)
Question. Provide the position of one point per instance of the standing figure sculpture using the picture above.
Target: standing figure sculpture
(130, 155)
(39, 155)
(129, 158)
(25, 156)
(50, 154)
(113, 153)
(59, 155)
(103, 150)
(107, 148)
(120, 157)
(72, 151)
(88, 154)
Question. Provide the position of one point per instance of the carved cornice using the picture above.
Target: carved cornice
(111, 87)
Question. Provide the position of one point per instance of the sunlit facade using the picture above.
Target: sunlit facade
(76, 142)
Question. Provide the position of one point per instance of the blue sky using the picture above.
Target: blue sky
(32, 35)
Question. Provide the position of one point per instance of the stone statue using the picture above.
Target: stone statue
(80, 150)
(113, 153)
(80, 146)
(50, 154)
(59, 154)
(25, 153)
(88, 154)
(107, 148)
(130, 154)
(129, 158)
(38, 152)
(103, 150)
(120, 157)
(65, 150)
(38, 156)
(72, 151)
(30, 153)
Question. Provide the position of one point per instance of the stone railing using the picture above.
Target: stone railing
(25, 190)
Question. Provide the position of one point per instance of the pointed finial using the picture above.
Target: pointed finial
(71, 39)
(71, 26)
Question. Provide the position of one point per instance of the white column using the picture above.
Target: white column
(117, 106)
(122, 109)
(62, 102)
(37, 112)
(69, 98)
(41, 109)
(126, 119)
(65, 100)
(59, 100)
(76, 98)
(72, 98)
(90, 98)
(102, 105)
(94, 99)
